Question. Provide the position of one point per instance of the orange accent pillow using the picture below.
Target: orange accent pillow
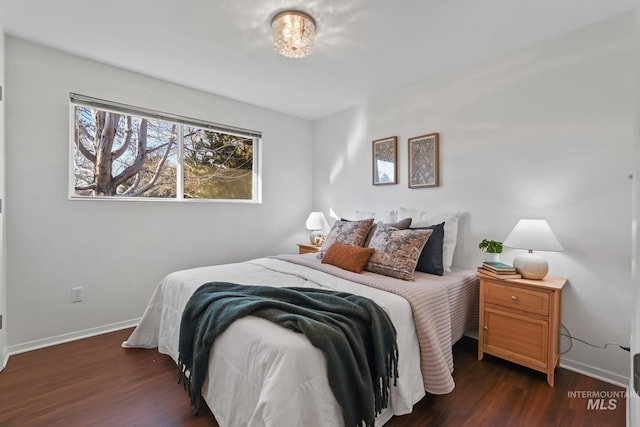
(347, 257)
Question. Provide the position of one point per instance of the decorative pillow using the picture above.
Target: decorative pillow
(347, 257)
(400, 225)
(396, 251)
(430, 260)
(427, 218)
(348, 232)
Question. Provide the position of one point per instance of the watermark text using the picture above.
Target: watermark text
(599, 400)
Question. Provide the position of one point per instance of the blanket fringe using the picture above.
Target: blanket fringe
(382, 384)
(184, 378)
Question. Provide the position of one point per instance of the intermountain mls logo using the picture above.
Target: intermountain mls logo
(599, 400)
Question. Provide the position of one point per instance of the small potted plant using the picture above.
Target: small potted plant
(491, 249)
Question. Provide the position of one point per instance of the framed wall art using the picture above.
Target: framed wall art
(385, 160)
(424, 165)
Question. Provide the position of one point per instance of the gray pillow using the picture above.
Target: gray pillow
(430, 260)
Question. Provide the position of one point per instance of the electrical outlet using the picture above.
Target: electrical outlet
(76, 294)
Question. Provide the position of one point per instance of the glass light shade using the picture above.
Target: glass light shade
(294, 34)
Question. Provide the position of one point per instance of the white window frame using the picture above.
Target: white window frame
(181, 121)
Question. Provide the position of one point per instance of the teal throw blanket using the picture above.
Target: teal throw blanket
(354, 333)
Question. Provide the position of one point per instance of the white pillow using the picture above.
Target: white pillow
(385, 217)
(427, 218)
(358, 215)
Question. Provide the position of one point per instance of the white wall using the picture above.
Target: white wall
(3, 289)
(546, 132)
(119, 251)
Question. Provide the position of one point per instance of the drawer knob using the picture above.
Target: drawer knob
(486, 328)
(514, 298)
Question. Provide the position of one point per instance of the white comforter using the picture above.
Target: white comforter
(261, 374)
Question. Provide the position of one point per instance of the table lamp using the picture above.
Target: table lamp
(317, 223)
(532, 234)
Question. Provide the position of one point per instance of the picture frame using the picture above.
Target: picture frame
(385, 160)
(424, 163)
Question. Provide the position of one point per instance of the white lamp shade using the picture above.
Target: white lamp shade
(533, 235)
(317, 221)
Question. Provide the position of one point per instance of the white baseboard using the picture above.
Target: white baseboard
(72, 336)
(597, 373)
(4, 358)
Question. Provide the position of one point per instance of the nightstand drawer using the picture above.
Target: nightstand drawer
(529, 300)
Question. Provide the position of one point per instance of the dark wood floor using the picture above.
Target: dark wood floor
(95, 382)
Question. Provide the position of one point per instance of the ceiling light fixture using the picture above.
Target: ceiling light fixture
(294, 33)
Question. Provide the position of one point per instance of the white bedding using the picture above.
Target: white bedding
(261, 374)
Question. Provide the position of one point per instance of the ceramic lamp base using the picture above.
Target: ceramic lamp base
(317, 238)
(531, 266)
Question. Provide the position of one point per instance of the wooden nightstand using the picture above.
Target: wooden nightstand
(304, 248)
(520, 321)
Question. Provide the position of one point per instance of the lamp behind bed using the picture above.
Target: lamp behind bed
(317, 223)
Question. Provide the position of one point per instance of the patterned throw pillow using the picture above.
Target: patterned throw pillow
(396, 251)
(400, 225)
(347, 257)
(348, 232)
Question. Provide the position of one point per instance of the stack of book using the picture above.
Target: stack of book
(498, 270)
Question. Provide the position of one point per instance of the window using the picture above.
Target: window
(126, 152)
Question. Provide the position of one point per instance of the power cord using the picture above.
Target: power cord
(602, 347)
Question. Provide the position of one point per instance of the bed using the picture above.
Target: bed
(262, 375)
